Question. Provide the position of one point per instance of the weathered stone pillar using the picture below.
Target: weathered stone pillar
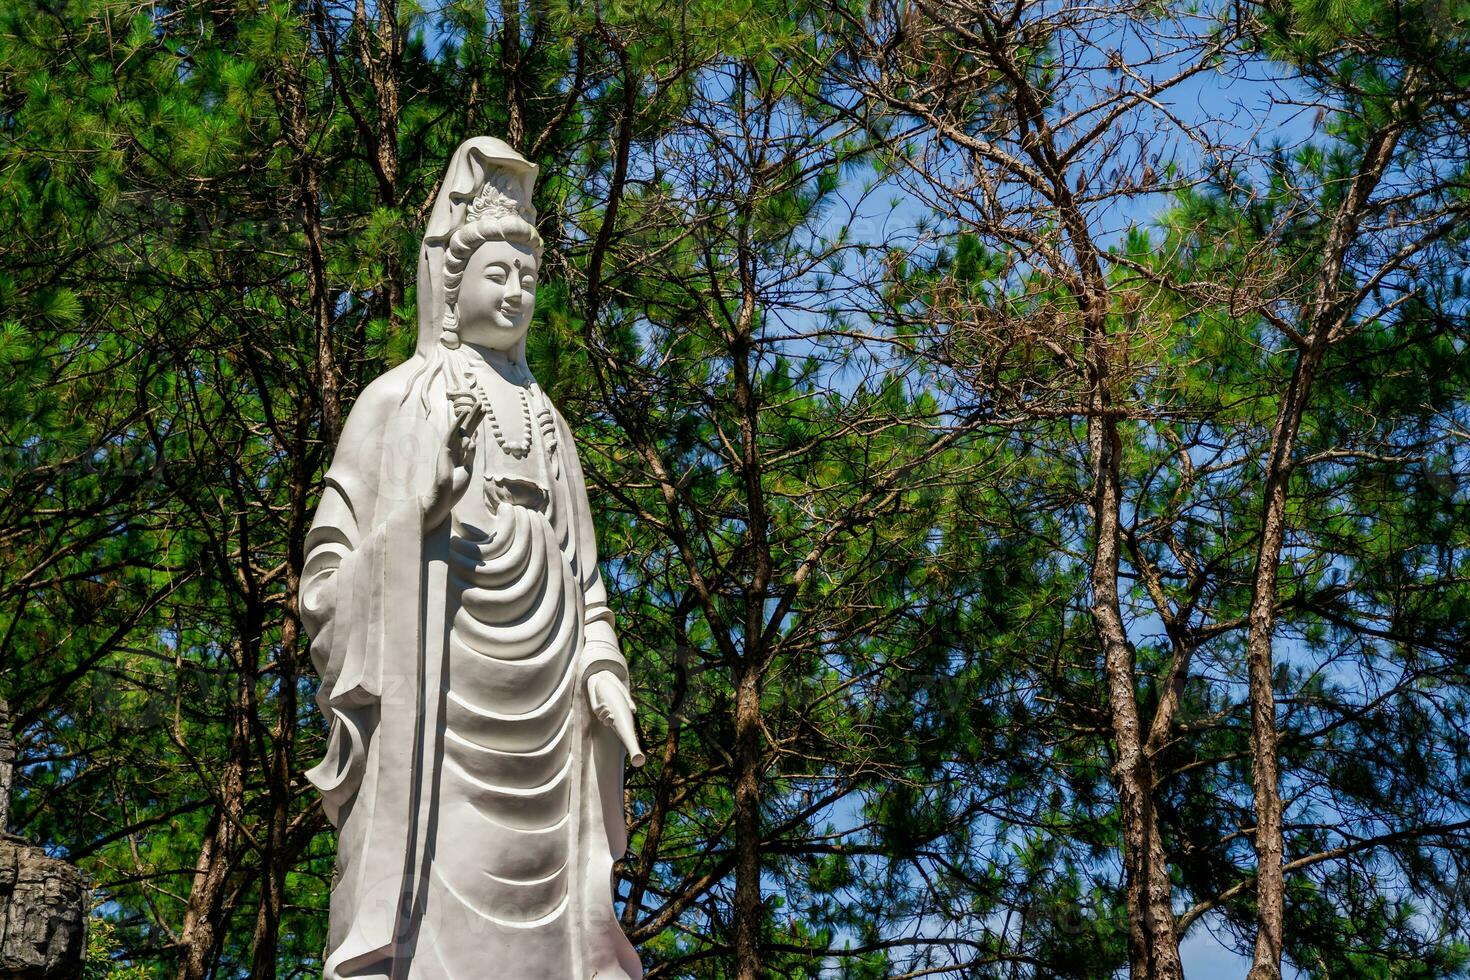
(44, 902)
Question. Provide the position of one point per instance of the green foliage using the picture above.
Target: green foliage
(103, 947)
(839, 462)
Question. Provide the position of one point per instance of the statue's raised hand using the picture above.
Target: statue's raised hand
(454, 462)
(613, 706)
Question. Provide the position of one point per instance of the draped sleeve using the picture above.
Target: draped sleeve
(360, 573)
(601, 650)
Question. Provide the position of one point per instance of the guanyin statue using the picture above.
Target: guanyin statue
(478, 699)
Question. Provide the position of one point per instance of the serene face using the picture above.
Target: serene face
(497, 295)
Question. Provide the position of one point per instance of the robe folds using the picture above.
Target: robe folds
(476, 838)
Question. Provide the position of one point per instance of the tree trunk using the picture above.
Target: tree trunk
(7, 765)
(1153, 947)
(201, 933)
(1260, 666)
(387, 74)
(1326, 318)
(512, 85)
(280, 855)
(748, 911)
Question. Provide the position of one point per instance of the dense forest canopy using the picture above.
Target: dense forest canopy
(1028, 441)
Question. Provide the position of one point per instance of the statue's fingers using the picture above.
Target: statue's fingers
(461, 439)
(466, 418)
(472, 421)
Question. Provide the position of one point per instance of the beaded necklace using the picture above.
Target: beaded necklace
(521, 447)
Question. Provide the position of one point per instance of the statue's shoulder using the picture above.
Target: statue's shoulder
(384, 395)
(375, 415)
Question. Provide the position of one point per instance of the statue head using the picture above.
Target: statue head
(478, 265)
(490, 269)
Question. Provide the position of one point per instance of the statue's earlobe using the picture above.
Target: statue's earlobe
(449, 336)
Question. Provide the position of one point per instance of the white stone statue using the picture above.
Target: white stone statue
(478, 699)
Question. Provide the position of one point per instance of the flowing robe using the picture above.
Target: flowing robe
(478, 801)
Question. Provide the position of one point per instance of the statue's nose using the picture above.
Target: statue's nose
(513, 288)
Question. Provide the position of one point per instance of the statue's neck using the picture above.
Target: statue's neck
(512, 370)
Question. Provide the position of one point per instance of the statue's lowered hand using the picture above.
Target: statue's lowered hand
(613, 706)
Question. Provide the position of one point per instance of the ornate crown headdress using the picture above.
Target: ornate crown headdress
(500, 197)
